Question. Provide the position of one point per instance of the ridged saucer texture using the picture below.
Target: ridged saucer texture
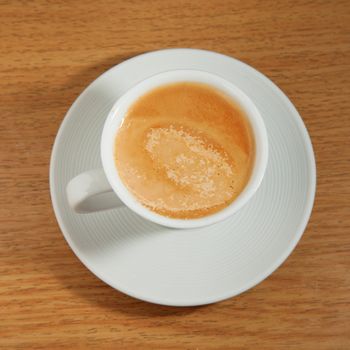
(197, 266)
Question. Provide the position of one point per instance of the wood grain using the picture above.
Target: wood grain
(49, 51)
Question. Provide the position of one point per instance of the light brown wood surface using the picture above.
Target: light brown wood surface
(49, 52)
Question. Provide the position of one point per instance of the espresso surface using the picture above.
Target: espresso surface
(184, 150)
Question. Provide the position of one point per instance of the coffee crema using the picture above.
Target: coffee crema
(184, 150)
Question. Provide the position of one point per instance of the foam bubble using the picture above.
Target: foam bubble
(192, 162)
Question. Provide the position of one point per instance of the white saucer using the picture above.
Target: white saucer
(187, 267)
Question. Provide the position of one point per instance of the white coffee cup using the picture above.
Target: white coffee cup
(101, 189)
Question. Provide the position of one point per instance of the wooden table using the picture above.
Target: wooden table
(49, 52)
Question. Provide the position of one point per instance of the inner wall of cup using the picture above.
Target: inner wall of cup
(115, 120)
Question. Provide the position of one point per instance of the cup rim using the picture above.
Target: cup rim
(115, 119)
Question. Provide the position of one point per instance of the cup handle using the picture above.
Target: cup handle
(90, 192)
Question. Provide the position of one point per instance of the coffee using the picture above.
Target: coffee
(184, 150)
